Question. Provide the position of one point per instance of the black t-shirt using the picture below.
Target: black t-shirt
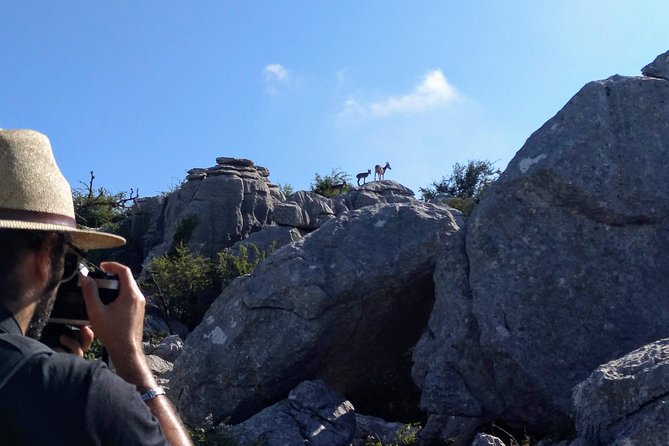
(61, 399)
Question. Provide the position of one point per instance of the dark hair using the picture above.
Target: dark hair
(14, 242)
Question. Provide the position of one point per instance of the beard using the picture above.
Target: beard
(43, 309)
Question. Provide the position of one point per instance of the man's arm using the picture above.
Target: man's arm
(119, 326)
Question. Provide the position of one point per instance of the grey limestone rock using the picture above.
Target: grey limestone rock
(169, 348)
(565, 261)
(626, 401)
(313, 414)
(658, 68)
(486, 440)
(304, 210)
(376, 192)
(231, 161)
(224, 204)
(158, 365)
(341, 304)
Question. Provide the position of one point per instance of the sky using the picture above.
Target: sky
(141, 91)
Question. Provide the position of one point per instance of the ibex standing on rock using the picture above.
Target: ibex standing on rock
(381, 171)
(363, 176)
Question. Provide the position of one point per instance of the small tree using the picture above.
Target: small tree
(286, 188)
(330, 185)
(98, 207)
(463, 188)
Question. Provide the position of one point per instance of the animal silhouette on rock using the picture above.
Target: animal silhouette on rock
(380, 172)
(363, 176)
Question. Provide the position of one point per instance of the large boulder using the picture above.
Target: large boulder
(626, 401)
(343, 304)
(566, 262)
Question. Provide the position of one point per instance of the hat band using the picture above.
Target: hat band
(37, 217)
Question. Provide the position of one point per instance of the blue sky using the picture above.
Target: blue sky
(141, 91)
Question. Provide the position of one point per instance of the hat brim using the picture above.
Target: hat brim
(82, 238)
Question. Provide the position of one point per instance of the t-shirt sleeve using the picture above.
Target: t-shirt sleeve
(116, 415)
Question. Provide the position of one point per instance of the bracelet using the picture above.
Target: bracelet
(152, 393)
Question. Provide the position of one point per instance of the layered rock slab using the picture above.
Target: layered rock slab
(340, 304)
(567, 264)
(626, 401)
(312, 414)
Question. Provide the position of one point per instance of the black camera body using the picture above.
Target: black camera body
(69, 307)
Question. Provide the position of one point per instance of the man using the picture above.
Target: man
(58, 398)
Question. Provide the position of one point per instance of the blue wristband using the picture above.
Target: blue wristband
(152, 393)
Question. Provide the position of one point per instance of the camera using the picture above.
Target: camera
(69, 307)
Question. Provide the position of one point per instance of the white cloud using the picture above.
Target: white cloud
(432, 92)
(275, 75)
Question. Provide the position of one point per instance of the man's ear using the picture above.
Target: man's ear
(42, 259)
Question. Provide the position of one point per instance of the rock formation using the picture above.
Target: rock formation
(561, 267)
(564, 266)
(343, 304)
(626, 401)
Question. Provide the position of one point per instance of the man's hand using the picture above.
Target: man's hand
(78, 344)
(120, 324)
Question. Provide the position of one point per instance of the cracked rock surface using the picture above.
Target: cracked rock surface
(626, 401)
(312, 414)
(343, 304)
(564, 266)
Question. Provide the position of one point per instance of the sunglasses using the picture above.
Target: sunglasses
(75, 262)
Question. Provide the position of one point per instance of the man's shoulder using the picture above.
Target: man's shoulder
(15, 352)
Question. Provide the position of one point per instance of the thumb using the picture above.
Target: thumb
(89, 289)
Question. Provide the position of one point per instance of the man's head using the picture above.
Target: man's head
(37, 221)
(40, 246)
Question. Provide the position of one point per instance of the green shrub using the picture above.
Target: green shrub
(463, 187)
(331, 185)
(230, 265)
(185, 284)
(177, 280)
(95, 351)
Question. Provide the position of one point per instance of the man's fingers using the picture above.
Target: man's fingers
(86, 335)
(72, 345)
(124, 274)
(90, 291)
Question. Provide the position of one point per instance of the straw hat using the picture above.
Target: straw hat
(35, 195)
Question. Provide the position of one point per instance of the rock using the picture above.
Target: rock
(169, 348)
(212, 210)
(224, 160)
(626, 401)
(313, 414)
(377, 192)
(179, 328)
(266, 241)
(158, 365)
(155, 326)
(343, 304)
(147, 348)
(566, 259)
(659, 68)
(304, 210)
(486, 440)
